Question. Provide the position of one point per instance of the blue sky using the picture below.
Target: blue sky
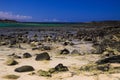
(60, 10)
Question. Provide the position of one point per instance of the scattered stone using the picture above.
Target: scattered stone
(3, 43)
(60, 68)
(113, 59)
(46, 48)
(42, 56)
(12, 76)
(65, 51)
(27, 55)
(15, 56)
(75, 52)
(24, 69)
(108, 54)
(65, 43)
(35, 48)
(88, 67)
(32, 73)
(11, 62)
(52, 70)
(94, 67)
(44, 73)
(99, 49)
(104, 67)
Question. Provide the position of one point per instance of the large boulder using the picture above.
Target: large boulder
(24, 69)
(27, 55)
(42, 56)
(113, 59)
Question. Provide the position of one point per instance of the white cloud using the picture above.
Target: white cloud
(51, 20)
(10, 15)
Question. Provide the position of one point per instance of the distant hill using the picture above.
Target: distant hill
(110, 22)
(8, 21)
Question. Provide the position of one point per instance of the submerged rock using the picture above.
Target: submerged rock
(24, 69)
(42, 56)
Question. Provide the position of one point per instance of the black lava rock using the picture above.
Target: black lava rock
(60, 67)
(113, 59)
(42, 56)
(65, 51)
(24, 69)
(27, 55)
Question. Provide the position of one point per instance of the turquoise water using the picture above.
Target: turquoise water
(38, 24)
(30, 25)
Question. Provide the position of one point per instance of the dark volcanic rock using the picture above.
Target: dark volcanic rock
(24, 69)
(65, 43)
(27, 55)
(42, 56)
(65, 51)
(60, 67)
(113, 59)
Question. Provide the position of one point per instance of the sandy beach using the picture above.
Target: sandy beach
(79, 59)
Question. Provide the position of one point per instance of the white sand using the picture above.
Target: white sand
(73, 63)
